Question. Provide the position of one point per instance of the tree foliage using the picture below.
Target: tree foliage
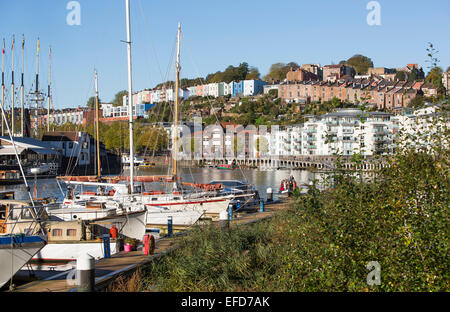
(278, 71)
(400, 75)
(91, 102)
(360, 63)
(118, 98)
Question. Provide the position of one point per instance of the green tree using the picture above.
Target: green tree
(253, 73)
(91, 102)
(278, 71)
(400, 75)
(434, 76)
(360, 63)
(118, 98)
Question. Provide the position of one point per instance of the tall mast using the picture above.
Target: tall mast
(3, 84)
(97, 124)
(177, 82)
(49, 84)
(12, 88)
(130, 95)
(22, 90)
(36, 126)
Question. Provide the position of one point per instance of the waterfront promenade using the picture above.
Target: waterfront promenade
(107, 270)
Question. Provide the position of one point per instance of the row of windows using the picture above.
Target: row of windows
(59, 232)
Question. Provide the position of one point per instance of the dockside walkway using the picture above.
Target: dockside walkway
(107, 270)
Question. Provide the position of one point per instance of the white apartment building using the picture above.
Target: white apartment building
(73, 117)
(170, 96)
(423, 127)
(228, 88)
(348, 131)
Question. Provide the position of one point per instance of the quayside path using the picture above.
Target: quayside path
(123, 263)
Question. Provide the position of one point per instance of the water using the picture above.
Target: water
(261, 179)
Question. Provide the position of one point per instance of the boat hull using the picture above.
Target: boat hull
(22, 252)
(54, 251)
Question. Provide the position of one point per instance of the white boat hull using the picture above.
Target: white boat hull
(71, 251)
(180, 218)
(21, 254)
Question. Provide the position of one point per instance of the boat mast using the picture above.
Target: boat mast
(3, 84)
(37, 99)
(130, 95)
(49, 84)
(177, 82)
(97, 124)
(12, 88)
(22, 90)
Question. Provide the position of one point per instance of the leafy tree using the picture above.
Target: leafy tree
(91, 102)
(418, 102)
(360, 63)
(400, 75)
(118, 98)
(434, 76)
(278, 71)
(273, 93)
(253, 73)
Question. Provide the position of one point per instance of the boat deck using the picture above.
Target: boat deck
(106, 270)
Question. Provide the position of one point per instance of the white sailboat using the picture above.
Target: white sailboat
(19, 241)
(184, 208)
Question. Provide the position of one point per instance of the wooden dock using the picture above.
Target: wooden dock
(107, 270)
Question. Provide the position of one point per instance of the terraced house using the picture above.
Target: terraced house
(383, 94)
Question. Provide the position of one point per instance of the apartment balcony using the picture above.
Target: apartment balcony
(311, 146)
(347, 139)
(310, 130)
(311, 139)
(379, 130)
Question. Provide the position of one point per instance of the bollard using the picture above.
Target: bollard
(230, 212)
(146, 248)
(261, 205)
(85, 273)
(106, 246)
(152, 245)
(269, 193)
(169, 226)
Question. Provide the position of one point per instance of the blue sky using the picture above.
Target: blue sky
(215, 34)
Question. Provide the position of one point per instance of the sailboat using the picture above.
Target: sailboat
(185, 208)
(19, 241)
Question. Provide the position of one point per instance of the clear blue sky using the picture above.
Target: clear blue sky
(215, 34)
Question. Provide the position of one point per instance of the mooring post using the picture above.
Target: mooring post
(106, 246)
(85, 273)
(261, 205)
(169, 226)
(269, 193)
(146, 248)
(230, 212)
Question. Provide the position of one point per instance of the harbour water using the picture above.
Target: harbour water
(261, 179)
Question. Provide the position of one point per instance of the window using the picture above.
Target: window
(57, 232)
(70, 145)
(2, 212)
(71, 232)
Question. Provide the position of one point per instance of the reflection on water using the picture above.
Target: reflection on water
(261, 179)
